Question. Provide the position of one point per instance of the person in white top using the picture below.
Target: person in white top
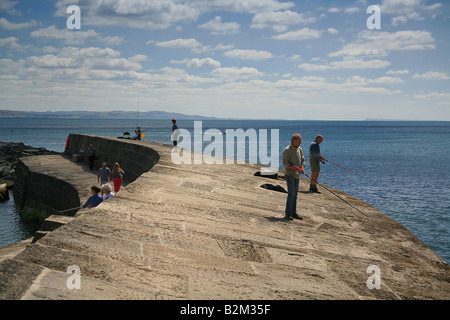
(106, 192)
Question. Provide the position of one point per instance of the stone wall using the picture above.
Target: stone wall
(38, 195)
(133, 157)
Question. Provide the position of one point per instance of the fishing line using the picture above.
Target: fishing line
(334, 194)
(345, 169)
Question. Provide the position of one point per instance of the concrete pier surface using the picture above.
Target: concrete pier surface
(198, 231)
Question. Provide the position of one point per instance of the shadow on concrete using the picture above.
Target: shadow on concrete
(276, 219)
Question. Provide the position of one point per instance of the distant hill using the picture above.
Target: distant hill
(115, 114)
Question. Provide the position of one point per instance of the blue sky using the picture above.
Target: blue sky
(256, 59)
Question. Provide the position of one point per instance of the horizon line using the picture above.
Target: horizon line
(193, 117)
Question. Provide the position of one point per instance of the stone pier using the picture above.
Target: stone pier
(211, 232)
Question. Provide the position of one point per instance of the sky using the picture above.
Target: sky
(253, 59)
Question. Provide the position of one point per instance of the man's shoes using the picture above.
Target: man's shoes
(296, 216)
(286, 217)
(314, 190)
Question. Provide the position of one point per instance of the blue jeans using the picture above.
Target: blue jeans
(291, 201)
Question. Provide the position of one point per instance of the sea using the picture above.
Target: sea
(402, 167)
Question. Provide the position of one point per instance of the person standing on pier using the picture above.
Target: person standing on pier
(138, 133)
(314, 162)
(294, 165)
(116, 177)
(175, 132)
(92, 156)
(104, 174)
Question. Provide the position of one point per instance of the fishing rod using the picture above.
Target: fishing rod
(70, 209)
(334, 194)
(345, 169)
(137, 112)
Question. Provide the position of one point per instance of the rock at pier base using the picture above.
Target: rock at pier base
(4, 196)
(10, 152)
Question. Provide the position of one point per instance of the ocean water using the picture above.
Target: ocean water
(405, 165)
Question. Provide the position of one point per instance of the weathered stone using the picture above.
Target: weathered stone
(54, 222)
(211, 232)
(16, 277)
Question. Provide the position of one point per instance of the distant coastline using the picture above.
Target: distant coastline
(115, 114)
(152, 115)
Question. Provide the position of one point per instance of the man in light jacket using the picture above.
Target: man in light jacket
(294, 165)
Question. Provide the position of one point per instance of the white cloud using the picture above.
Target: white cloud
(334, 10)
(405, 71)
(50, 49)
(52, 61)
(223, 47)
(433, 9)
(72, 37)
(203, 49)
(295, 58)
(236, 73)
(398, 6)
(11, 67)
(432, 75)
(346, 64)
(138, 57)
(198, 63)
(239, 6)
(401, 10)
(280, 21)
(302, 34)
(218, 27)
(161, 14)
(332, 31)
(248, 54)
(8, 7)
(352, 10)
(385, 80)
(433, 96)
(179, 43)
(313, 85)
(112, 40)
(158, 14)
(404, 19)
(405, 10)
(85, 60)
(373, 44)
(10, 43)
(53, 74)
(5, 24)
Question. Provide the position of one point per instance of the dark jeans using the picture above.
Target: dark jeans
(91, 162)
(291, 201)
